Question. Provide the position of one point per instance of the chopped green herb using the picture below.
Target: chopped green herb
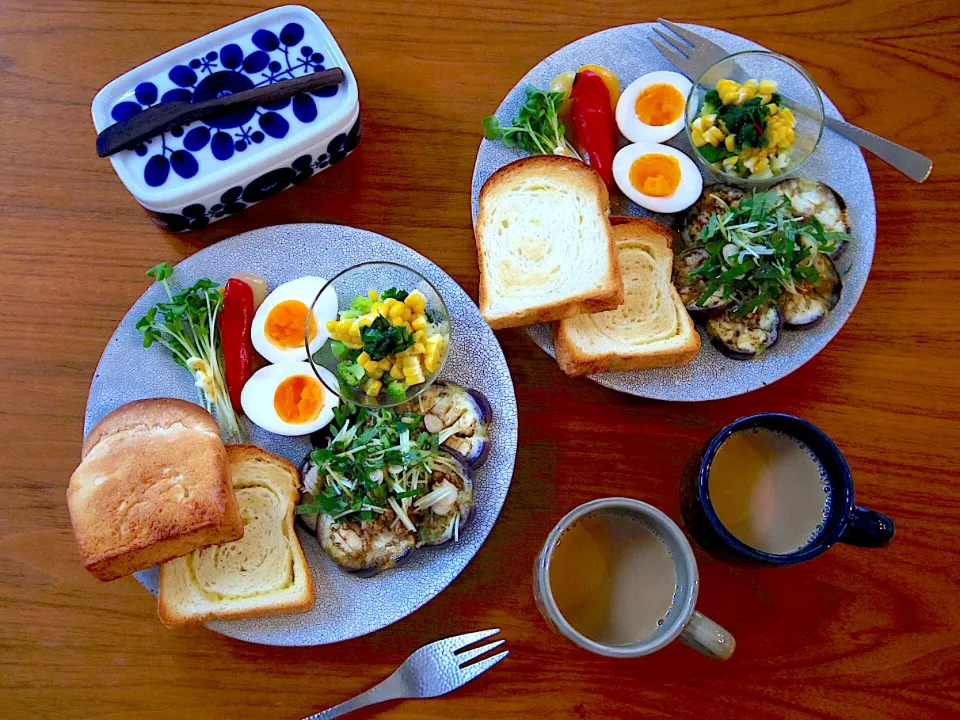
(381, 339)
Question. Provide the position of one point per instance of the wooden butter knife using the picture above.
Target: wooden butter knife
(127, 134)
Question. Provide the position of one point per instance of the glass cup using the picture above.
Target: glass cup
(798, 90)
(380, 276)
(683, 621)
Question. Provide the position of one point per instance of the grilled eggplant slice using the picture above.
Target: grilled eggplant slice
(461, 417)
(810, 198)
(368, 546)
(690, 291)
(709, 203)
(806, 308)
(308, 484)
(743, 338)
(450, 505)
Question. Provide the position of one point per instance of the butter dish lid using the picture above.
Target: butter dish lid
(278, 44)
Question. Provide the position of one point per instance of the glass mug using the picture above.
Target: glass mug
(682, 620)
(843, 520)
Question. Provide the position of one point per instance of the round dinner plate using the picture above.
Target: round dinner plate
(838, 162)
(347, 606)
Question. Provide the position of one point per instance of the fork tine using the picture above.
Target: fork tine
(465, 657)
(677, 59)
(673, 42)
(471, 671)
(688, 35)
(461, 641)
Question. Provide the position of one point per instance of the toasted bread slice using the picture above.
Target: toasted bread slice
(263, 573)
(153, 484)
(544, 243)
(651, 329)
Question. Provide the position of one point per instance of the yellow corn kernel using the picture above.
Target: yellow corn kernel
(764, 99)
(767, 87)
(730, 162)
(397, 322)
(436, 339)
(419, 322)
(355, 334)
(417, 348)
(773, 109)
(386, 364)
(345, 326)
(415, 380)
(709, 121)
(698, 139)
(396, 311)
(714, 136)
(396, 372)
(364, 358)
(364, 321)
(409, 361)
(371, 366)
(373, 295)
(730, 142)
(376, 374)
(416, 299)
(750, 88)
(378, 309)
(412, 371)
(728, 90)
(407, 313)
(419, 335)
(372, 387)
(697, 125)
(787, 115)
(333, 326)
(431, 366)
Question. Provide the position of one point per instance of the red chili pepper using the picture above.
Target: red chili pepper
(235, 320)
(594, 122)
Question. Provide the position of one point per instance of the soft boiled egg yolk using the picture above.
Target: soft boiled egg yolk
(298, 399)
(659, 104)
(655, 175)
(286, 322)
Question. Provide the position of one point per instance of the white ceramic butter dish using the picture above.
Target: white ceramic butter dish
(207, 170)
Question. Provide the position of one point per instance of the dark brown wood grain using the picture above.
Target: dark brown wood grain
(856, 633)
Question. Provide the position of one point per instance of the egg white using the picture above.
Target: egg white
(257, 395)
(687, 192)
(631, 126)
(304, 289)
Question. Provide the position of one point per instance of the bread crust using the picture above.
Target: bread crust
(607, 296)
(576, 362)
(172, 615)
(154, 484)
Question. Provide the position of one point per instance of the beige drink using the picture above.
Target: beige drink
(769, 490)
(613, 578)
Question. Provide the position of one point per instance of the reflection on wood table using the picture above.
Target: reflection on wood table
(856, 633)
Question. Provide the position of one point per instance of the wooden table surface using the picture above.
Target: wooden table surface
(856, 633)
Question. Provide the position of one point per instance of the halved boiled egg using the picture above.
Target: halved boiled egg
(657, 177)
(651, 109)
(287, 398)
(279, 323)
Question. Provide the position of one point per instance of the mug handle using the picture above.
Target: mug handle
(703, 634)
(868, 528)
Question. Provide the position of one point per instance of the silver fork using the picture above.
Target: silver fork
(433, 670)
(693, 54)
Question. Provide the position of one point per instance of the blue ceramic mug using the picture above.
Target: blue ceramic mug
(843, 520)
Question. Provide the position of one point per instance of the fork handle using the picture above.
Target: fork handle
(912, 164)
(390, 689)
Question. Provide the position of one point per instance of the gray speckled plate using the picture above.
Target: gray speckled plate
(347, 606)
(837, 161)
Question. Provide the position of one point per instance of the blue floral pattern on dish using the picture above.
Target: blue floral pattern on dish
(275, 57)
(197, 216)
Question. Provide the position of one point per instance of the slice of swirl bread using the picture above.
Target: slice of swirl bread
(544, 243)
(651, 329)
(263, 573)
